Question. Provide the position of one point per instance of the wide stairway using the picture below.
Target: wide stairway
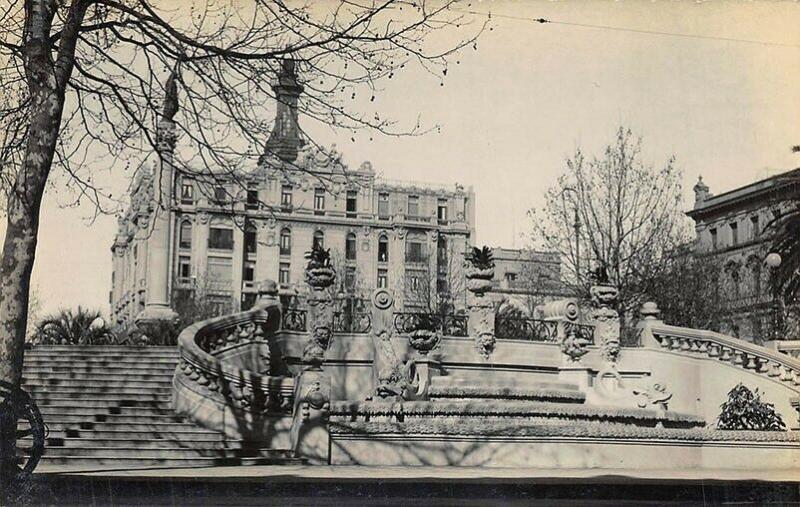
(109, 406)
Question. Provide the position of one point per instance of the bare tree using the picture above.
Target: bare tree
(80, 81)
(629, 215)
(436, 288)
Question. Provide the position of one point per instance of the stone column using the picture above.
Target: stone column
(157, 309)
(649, 315)
(480, 307)
(606, 321)
(391, 377)
(319, 277)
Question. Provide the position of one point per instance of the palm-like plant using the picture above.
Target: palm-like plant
(68, 327)
(482, 258)
(786, 242)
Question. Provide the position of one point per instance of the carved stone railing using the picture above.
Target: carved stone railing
(450, 325)
(709, 344)
(231, 376)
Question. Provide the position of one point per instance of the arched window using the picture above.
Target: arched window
(754, 263)
(319, 240)
(350, 247)
(185, 240)
(383, 248)
(286, 242)
(732, 269)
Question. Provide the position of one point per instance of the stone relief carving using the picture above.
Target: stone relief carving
(575, 346)
(653, 393)
(606, 321)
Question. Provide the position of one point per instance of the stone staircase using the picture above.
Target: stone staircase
(109, 406)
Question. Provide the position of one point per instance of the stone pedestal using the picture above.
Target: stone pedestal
(310, 435)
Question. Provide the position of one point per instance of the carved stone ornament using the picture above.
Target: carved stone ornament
(271, 239)
(382, 299)
(203, 217)
(394, 378)
(653, 393)
(271, 223)
(315, 397)
(366, 231)
(574, 346)
(238, 220)
(434, 236)
(399, 231)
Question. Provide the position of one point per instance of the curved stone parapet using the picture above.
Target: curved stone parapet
(231, 376)
(739, 353)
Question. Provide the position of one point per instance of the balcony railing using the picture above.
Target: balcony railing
(535, 330)
(352, 322)
(293, 319)
(450, 325)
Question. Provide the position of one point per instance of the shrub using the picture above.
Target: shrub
(745, 410)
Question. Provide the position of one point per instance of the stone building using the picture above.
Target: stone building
(732, 227)
(529, 276)
(222, 234)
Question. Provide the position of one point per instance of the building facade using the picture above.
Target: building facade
(220, 235)
(733, 228)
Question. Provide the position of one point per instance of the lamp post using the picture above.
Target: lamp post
(577, 227)
(773, 260)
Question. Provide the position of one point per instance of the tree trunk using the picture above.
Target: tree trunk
(19, 250)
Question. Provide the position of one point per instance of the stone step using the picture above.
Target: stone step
(44, 399)
(161, 433)
(109, 360)
(493, 411)
(103, 349)
(100, 393)
(82, 405)
(88, 427)
(98, 376)
(444, 380)
(157, 460)
(175, 451)
(467, 392)
(166, 369)
(146, 442)
(121, 382)
(125, 415)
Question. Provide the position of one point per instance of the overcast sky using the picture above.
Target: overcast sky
(515, 108)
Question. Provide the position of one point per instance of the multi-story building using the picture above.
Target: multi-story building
(222, 234)
(528, 273)
(732, 227)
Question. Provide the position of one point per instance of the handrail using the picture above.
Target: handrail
(207, 370)
(725, 348)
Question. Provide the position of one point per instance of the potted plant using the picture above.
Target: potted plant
(479, 269)
(319, 272)
(426, 334)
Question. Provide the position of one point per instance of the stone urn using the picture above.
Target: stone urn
(479, 270)
(424, 340)
(319, 272)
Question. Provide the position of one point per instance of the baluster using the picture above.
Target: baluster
(703, 346)
(665, 341)
(685, 344)
(676, 343)
(713, 350)
(694, 347)
(774, 369)
(750, 364)
(738, 358)
(726, 354)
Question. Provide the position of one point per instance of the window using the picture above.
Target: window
(442, 211)
(319, 240)
(511, 276)
(319, 201)
(250, 238)
(350, 247)
(734, 233)
(184, 268)
(383, 206)
(283, 273)
(412, 282)
(352, 203)
(252, 199)
(220, 239)
(220, 270)
(413, 205)
(286, 242)
(187, 192)
(220, 195)
(185, 235)
(415, 249)
(350, 278)
(383, 278)
(754, 229)
(249, 271)
(713, 233)
(383, 249)
(286, 197)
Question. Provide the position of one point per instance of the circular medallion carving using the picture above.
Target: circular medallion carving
(382, 299)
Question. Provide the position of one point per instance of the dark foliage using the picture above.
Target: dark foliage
(482, 258)
(68, 327)
(745, 410)
(318, 257)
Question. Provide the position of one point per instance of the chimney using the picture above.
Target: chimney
(701, 193)
(284, 140)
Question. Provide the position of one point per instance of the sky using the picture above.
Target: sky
(512, 110)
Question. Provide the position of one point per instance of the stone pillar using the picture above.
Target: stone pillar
(606, 321)
(649, 315)
(391, 378)
(157, 309)
(573, 346)
(310, 435)
(480, 307)
(319, 277)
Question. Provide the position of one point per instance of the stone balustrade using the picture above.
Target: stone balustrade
(709, 344)
(231, 376)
